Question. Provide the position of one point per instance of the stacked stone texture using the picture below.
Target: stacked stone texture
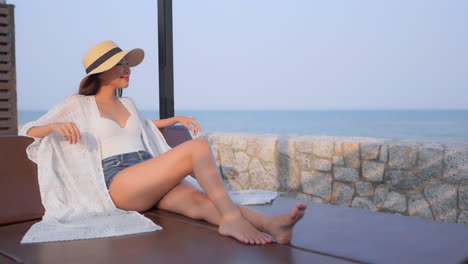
(415, 178)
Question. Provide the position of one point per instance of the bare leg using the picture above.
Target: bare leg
(157, 176)
(186, 200)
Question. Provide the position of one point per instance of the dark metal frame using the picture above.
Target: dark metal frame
(8, 93)
(166, 60)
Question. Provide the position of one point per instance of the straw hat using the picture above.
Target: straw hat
(105, 55)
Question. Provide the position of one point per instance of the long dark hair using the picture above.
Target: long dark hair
(92, 84)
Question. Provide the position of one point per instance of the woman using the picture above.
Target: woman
(137, 181)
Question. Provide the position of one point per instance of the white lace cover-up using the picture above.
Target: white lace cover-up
(71, 180)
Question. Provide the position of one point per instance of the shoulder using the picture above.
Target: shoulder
(74, 101)
(74, 98)
(69, 104)
(68, 101)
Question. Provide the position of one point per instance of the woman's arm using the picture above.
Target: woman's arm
(67, 129)
(165, 122)
(186, 121)
(39, 131)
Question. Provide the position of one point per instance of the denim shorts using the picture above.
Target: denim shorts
(114, 164)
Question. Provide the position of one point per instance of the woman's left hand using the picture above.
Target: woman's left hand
(188, 122)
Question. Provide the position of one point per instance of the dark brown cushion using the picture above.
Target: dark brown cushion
(176, 135)
(20, 199)
(326, 234)
(182, 240)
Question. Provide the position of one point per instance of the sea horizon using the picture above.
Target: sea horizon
(421, 124)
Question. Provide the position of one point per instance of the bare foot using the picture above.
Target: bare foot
(280, 226)
(241, 229)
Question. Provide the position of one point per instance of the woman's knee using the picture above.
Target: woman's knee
(195, 145)
(201, 141)
(201, 145)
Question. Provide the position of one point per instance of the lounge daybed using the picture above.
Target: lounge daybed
(327, 233)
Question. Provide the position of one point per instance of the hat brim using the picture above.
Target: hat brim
(133, 56)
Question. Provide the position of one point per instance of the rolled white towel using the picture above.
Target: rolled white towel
(247, 197)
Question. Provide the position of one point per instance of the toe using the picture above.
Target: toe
(300, 215)
(294, 210)
(252, 241)
(265, 239)
(245, 239)
(258, 241)
(261, 239)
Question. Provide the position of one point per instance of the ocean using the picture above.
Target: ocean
(437, 125)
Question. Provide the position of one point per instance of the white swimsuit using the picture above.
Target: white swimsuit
(116, 140)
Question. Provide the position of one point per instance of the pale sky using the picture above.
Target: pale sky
(262, 54)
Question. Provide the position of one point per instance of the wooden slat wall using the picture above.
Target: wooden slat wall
(8, 97)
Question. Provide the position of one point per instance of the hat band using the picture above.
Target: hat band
(102, 59)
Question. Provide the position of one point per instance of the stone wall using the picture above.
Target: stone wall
(416, 178)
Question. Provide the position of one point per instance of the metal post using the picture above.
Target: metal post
(166, 61)
(8, 96)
